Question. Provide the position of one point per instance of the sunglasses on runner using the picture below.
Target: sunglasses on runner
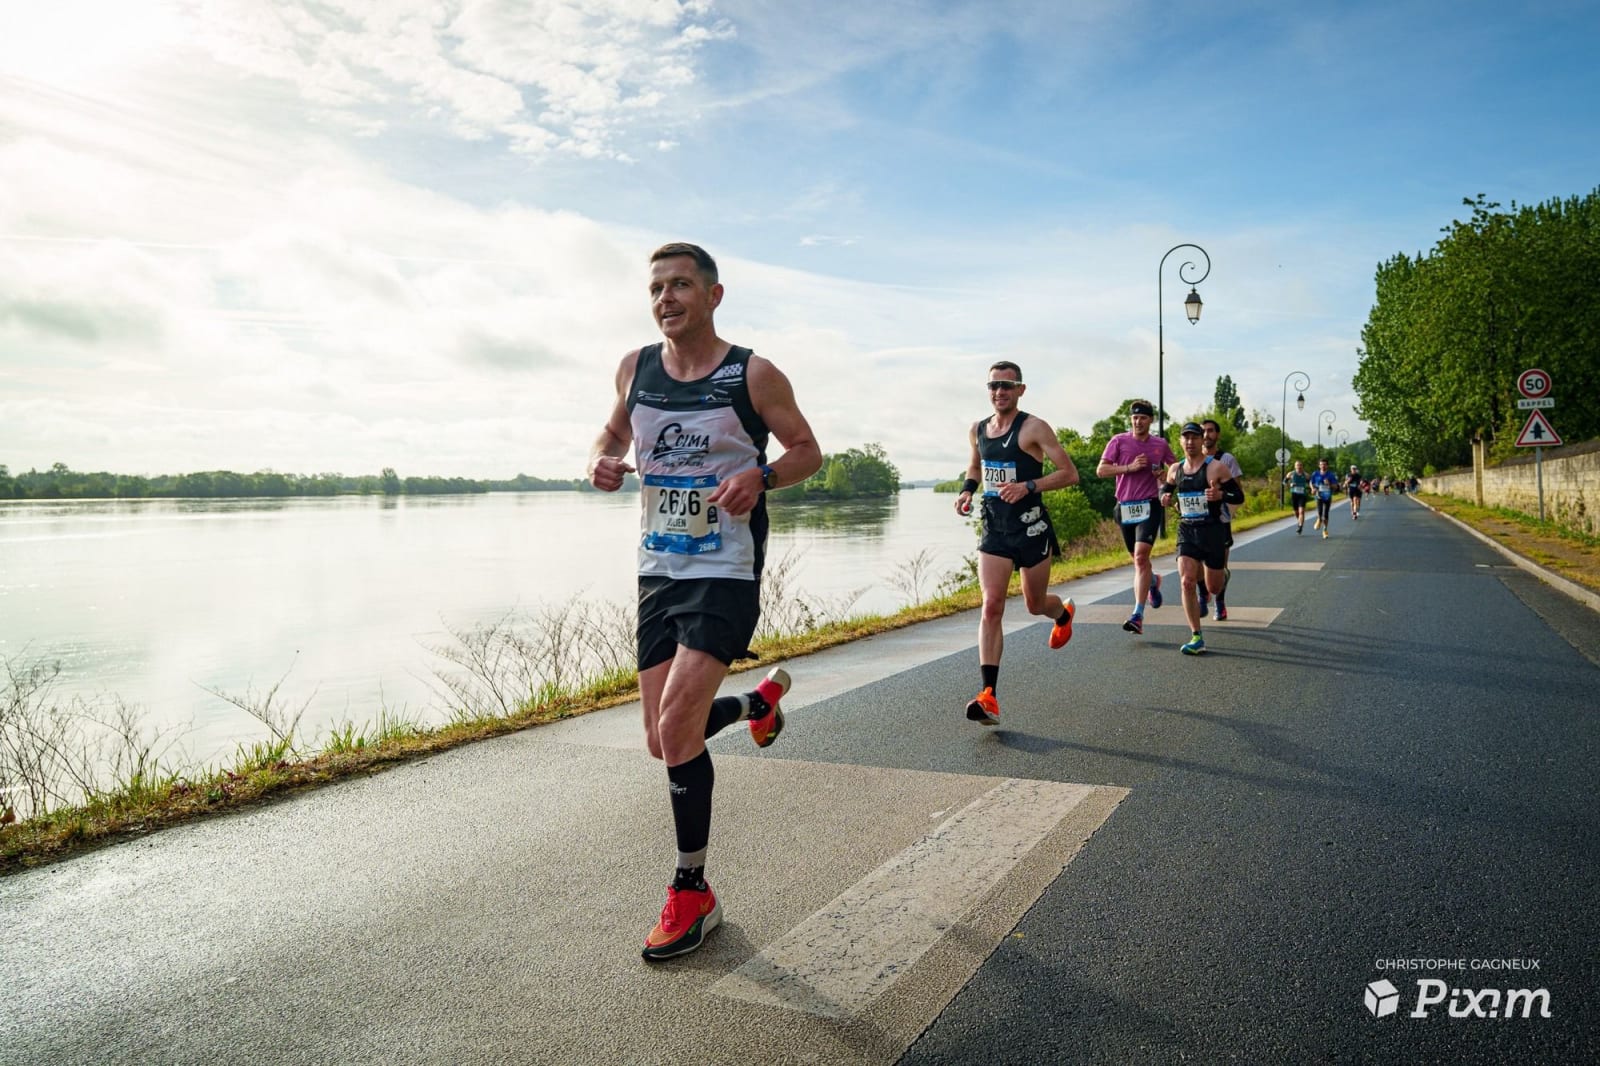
(993, 385)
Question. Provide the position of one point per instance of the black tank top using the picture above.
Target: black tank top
(1003, 459)
(1188, 486)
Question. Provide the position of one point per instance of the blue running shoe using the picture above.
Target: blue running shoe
(1155, 591)
(1134, 625)
(1196, 646)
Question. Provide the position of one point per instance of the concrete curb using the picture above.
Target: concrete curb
(1554, 580)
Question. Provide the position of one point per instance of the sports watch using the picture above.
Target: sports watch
(767, 476)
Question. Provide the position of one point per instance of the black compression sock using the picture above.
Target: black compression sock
(991, 675)
(692, 878)
(690, 786)
(725, 710)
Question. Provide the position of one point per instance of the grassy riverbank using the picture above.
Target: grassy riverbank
(144, 798)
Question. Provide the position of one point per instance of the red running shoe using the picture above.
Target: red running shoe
(685, 921)
(765, 730)
(984, 708)
(1061, 632)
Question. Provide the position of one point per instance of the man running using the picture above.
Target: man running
(1299, 483)
(1354, 487)
(700, 411)
(1212, 441)
(1135, 458)
(1008, 451)
(1323, 482)
(1199, 486)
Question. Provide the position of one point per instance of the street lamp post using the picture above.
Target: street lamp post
(1339, 443)
(1330, 415)
(1191, 307)
(1283, 418)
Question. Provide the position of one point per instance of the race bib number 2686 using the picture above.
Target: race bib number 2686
(677, 518)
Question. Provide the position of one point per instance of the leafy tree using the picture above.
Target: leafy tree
(858, 473)
(1449, 331)
(391, 481)
(1226, 403)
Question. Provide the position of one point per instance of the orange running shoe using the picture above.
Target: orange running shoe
(984, 708)
(685, 921)
(1061, 632)
(765, 730)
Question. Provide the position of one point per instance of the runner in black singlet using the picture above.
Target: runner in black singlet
(1008, 452)
(1197, 487)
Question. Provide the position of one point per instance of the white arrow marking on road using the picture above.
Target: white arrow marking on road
(836, 962)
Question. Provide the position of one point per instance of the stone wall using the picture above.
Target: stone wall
(1571, 488)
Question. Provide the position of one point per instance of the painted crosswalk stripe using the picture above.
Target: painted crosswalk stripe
(836, 962)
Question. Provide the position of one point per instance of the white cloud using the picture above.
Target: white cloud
(572, 75)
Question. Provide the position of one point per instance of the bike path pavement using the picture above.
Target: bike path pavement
(1153, 857)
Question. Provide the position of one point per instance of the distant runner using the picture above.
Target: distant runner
(1354, 487)
(1323, 482)
(1299, 483)
(1136, 458)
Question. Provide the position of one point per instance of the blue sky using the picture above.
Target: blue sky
(346, 235)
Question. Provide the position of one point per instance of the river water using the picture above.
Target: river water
(156, 601)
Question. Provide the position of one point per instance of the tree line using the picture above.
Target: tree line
(857, 473)
(1451, 330)
(61, 483)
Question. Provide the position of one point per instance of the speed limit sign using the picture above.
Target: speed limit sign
(1533, 384)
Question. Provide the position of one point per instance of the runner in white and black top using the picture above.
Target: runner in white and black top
(699, 411)
(1008, 452)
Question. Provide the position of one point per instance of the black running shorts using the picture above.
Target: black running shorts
(1023, 549)
(716, 615)
(1207, 542)
(1148, 531)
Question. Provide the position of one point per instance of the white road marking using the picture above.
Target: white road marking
(836, 962)
(1171, 614)
(1275, 566)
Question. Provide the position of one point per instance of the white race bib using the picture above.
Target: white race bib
(1134, 511)
(995, 474)
(678, 520)
(1192, 506)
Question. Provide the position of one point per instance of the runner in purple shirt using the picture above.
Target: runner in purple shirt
(1136, 458)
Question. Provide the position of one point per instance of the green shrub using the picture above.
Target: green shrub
(1070, 513)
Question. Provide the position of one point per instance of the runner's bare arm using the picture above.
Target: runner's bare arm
(773, 398)
(606, 463)
(1038, 432)
(1169, 484)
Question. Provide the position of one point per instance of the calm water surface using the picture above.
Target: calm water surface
(155, 601)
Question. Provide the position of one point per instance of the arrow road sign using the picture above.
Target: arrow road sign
(1538, 433)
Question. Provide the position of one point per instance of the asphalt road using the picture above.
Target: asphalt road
(1389, 775)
